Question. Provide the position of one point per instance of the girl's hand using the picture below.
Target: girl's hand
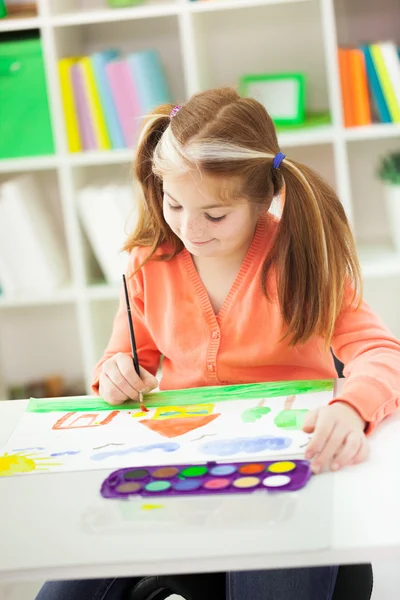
(119, 381)
(338, 439)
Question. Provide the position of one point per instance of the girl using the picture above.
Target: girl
(227, 293)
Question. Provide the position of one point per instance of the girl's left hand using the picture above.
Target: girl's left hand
(338, 439)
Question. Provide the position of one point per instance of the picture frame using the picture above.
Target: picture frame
(282, 94)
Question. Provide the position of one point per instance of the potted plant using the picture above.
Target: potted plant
(389, 173)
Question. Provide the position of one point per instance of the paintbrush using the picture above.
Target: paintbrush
(133, 342)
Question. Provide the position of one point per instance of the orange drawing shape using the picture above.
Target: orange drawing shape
(78, 420)
(171, 428)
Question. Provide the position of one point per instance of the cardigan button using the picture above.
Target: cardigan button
(210, 368)
(215, 334)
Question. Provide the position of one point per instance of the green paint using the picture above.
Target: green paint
(291, 419)
(186, 397)
(254, 414)
(158, 486)
(194, 471)
(136, 474)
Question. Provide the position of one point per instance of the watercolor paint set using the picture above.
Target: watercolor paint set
(207, 478)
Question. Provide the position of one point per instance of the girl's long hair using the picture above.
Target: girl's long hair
(225, 136)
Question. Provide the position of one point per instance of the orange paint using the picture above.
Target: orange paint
(171, 428)
(78, 420)
(251, 469)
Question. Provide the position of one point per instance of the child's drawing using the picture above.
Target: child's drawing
(17, 463)
(74, 420)
(246, 445)
(69, 434)
(289, 418)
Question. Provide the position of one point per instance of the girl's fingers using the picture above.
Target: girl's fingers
(363, 452)
(332, 443)
(322, 431)
(109, 392)
(348, 452)
(149, 381)
(310, 420)
(117, 378)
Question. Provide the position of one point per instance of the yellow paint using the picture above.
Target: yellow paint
(152, 506)
(12, 464)
(282, 467)
(139, 414)
(183, 412)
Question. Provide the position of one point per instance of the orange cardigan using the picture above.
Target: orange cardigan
(173, 318)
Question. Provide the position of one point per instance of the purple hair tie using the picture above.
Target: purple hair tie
(174, 111)
(278, 160)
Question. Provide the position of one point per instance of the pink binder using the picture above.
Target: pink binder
(125, 98)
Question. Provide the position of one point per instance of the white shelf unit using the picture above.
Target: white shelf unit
(203, 44)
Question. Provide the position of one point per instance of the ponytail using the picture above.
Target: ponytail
(314, 254)
(151, 230)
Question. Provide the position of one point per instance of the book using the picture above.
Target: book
(385, 83)
(95, 109)
(30, 243)
(361, 110)
(126, 99)
(150, 80)
(376, 93)
(391, 59)
(83, 110)
(69, 106)
(107, 214)
(346, 87)
(99, 61)
(260, 421)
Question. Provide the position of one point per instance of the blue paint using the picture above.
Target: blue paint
(165, 447)
(187, 485)
(66, 453)
(26, 449)
(222, 470)
(247, 445)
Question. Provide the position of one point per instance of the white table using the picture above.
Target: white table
(58, 526)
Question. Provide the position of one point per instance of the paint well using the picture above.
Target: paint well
(158, 486)
(284, 466)
(217, 484)
(187, 485)
(165, 472)
(276, 481)
(194, 471)
(222, 470)
(136, 474)
(129, 487)
(252, 469)
(246, 482)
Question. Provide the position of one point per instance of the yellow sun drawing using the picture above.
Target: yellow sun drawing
(23, 462)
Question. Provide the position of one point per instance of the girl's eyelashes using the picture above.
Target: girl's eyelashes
(174, 207)
(209, 217)
(215, 219)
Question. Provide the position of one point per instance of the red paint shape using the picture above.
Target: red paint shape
(78, 420)
(171, 428)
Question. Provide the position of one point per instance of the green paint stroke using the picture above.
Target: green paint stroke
(291, 420)
(254, 414)
(185, 397)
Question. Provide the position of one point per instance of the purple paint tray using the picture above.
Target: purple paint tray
(207, 478)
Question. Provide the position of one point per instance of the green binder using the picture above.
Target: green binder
(25, 127)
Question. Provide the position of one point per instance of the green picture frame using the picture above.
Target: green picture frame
(282, 94)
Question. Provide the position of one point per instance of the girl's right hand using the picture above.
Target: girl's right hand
(120, 382)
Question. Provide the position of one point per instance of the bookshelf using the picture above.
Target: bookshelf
(203, 44)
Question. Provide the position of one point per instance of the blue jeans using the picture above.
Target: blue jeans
(315, 583)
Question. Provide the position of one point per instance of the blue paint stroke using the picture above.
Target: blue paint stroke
(67, 452)
(248, 445)
(166, 447)
(26, 449)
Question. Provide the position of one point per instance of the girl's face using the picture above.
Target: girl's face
(206, 227)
